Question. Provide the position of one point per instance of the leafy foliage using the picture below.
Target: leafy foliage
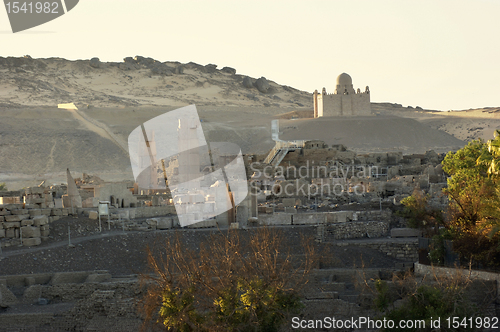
(3, 187)
(420, 214)
(416, 300)
(229, 283)
(472, 218)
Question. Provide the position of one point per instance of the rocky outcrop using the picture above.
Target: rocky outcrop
(95, 63)
(263, 85)
(228, 70)
(247, 82)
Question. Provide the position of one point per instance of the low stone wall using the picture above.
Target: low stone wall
(404, 249)
(23, 221)
(355, 230)
(318, 218)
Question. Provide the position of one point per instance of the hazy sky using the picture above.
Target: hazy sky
(434, 54)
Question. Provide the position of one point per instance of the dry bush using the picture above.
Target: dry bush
(229, 282)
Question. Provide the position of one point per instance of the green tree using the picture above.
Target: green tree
(472, 218)
(474, 198)
(229, 283)
(3, 187)
(491, 158)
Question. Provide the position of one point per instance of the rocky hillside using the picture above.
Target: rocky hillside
(134, 82)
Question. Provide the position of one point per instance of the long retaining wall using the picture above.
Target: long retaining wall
(404, 249)
(317, 218)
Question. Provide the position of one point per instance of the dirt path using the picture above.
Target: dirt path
(99, 128)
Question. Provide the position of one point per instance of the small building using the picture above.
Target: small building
(345, 101)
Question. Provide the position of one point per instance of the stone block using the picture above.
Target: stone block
(27, 222)
(98, 277)
(10, 234)
(45, 233)
(13, 224)
(32, 242)
(24, 216)
(44, 227)
(40, 220)
(37, 190)
(2, 219)
(32, 294)
(46, 212)
(276, 219)
(164, 223)
(4, 212)
(58, 203)
(52, 219)
(309, 218)
(2, 233)
(19, 212)
(12, 218)
(35, 212)
(65, 212)
(405, 232)
(7, 298)
(35, 200)
(56, 212)
(152, 221)
(93, 215)
(288, 202)
(30, 231)
(290, 209)
(29, 281)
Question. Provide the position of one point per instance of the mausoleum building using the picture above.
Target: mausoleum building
(345, 101)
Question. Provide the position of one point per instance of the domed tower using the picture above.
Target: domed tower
(345, 101)
(344, 85)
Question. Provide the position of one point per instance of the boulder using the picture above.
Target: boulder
(262, 85)
(247, 82)
(210, 68)
(93, 215)
(95, 63)
(161, 69)
(228, 70)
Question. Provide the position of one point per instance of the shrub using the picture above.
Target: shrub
(228, 284)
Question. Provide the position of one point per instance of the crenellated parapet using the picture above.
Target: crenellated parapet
(344, 101)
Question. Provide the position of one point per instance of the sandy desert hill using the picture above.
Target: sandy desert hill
(38, 141)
